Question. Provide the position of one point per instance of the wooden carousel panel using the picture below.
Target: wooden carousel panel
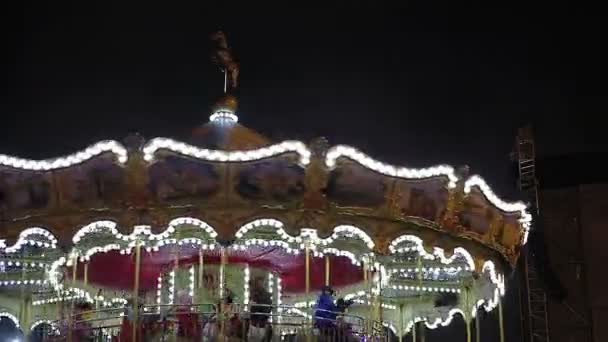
(175, 178)
(25, 190)
(489, 223)
(478, 214)
(275, 180)
(98, 182)
(351, 185)
(510, 235)
(425, 199)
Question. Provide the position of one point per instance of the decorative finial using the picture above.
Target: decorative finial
(222, 56)
(225, 107)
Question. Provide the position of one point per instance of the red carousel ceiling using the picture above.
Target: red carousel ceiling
(115, 270)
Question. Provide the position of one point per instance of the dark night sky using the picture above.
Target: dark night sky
(412, 85)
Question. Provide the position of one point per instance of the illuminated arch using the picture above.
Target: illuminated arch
(62, 162)
(33, 231)
(343, 151)
(192, 151)
(11, 317)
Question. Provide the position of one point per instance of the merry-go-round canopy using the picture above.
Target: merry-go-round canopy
(429, 231)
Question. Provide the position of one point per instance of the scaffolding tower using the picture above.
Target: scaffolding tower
(533, 297)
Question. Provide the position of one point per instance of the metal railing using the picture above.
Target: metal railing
(213, 322)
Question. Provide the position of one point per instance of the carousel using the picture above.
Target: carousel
(233, 236)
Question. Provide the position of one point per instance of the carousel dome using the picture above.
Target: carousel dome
(223, 132)
(227, 136)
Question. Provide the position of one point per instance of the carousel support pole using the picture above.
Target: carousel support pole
(25, 303)
(477, 327)
(469, 312)
(468, 323)
(307, 285)
(380, 302)
(86, 273)
(201, 261)
(500, 321)
(422, 328)
(414, 328)
(136, 291)
(74, 270)
(327, 270)
(223, 261)
(71, 314)
(401, 329)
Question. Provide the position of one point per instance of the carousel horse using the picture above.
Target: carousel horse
(223, 56)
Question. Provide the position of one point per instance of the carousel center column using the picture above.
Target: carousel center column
(136, 289)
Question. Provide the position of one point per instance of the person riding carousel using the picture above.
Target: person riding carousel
(326, 312)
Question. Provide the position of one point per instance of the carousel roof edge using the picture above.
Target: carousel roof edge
(332, 155)
(104, 146)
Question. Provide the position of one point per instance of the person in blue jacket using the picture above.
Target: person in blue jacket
(326, 312)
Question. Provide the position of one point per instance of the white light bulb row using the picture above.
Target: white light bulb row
(270, 282)
(22, 263)
(159, 290)
(53, 274)
(418, 247)
(525, 218)
(246, 278)
(53, 325)
(354, 295)
(145, 231)
(390, 326)
(347, 254)
(156, 144)
(495, 277)
(341, 151)
(309, 235)
(224, 115)
(349, 231)
(438, 253)
(279, 297)
(191, 283)
(98, 249)
(458, 252)
(95, 227)
(171, 287)
(193, 241)
(11, 317)
(187, 221)
(266, 222)
(33, 231)
(67, 161)
(23, 282)
(492, 302)
(53, 300)
(366, 302)
(424, 288)
(444, 323)
(304, 304)
(430, 269)
(77, 293)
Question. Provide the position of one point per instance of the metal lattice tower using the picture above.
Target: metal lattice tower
(534, 297)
